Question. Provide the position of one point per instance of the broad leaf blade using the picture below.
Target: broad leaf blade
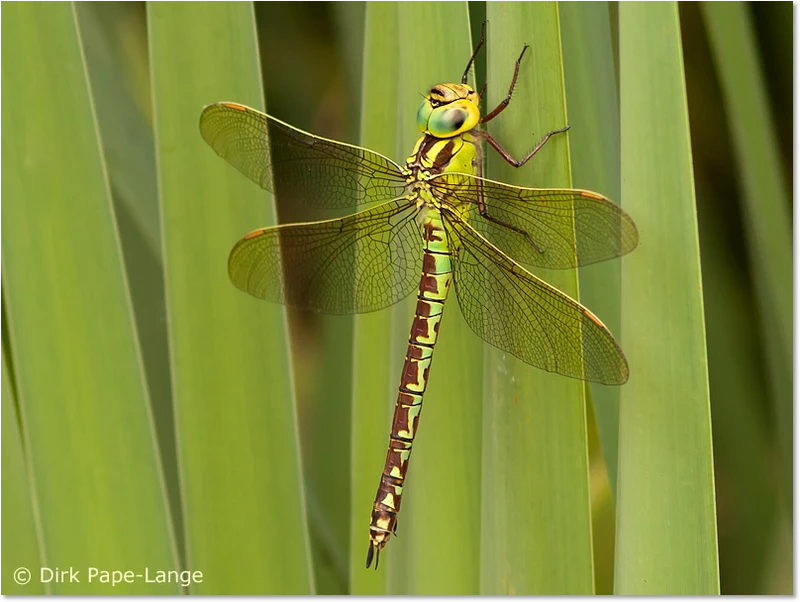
(374, 373)
(591, 90)
(82, 397)
(242, 491)
(536, 514)
(766, 203)
(594, 153)
(666, 520)
(20, 537)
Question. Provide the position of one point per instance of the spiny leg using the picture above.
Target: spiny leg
(485, 213)
(474, 53)
(482, 210)
(500, 108)
(504, 103)
(507, 156)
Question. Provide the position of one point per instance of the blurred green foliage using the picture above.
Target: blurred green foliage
(311, 58)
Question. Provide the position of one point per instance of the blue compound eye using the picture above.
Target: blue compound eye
(423, 115)
(453, 119)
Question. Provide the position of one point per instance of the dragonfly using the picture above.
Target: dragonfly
(431, 224)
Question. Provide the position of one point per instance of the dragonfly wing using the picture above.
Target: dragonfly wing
(512, 309)
(565, 228)
(359, 263)
(307, 169)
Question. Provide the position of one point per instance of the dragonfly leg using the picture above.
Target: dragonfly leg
(507, 156)
(485, 212)
(504, 103)
(474, 53)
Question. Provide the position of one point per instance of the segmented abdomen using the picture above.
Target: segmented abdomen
(433, 288)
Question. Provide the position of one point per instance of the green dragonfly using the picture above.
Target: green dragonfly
(432, 223)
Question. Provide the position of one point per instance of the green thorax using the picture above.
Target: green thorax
(433, 155)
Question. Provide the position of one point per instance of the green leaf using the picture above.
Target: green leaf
(327, 406)
(536, 516)
(591, 90)
(84, 407)
(374, 373)
(327, 371)
(108, 30)
(123, 125)
(20, 537)
(742, 446)
(766, 203)
(242, 488)
(666, 518)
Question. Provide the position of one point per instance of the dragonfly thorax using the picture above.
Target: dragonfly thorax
(449, 110)
(433, 156)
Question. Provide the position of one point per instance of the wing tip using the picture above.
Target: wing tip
(621, 377)
(209, 109)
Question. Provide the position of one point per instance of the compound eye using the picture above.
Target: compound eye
(447, 122)
(453, 118)
(423, 115)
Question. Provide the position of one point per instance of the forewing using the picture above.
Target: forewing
(512, 309)
(307, 170)
(565, 228)
(360, 263)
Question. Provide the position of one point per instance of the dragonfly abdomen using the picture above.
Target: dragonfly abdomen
(437, 276)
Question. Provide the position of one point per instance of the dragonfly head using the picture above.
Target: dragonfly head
(449, 110)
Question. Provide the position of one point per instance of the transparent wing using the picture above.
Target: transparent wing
(308, 170)
(360, 263)
(512, 309)
(565, 228)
